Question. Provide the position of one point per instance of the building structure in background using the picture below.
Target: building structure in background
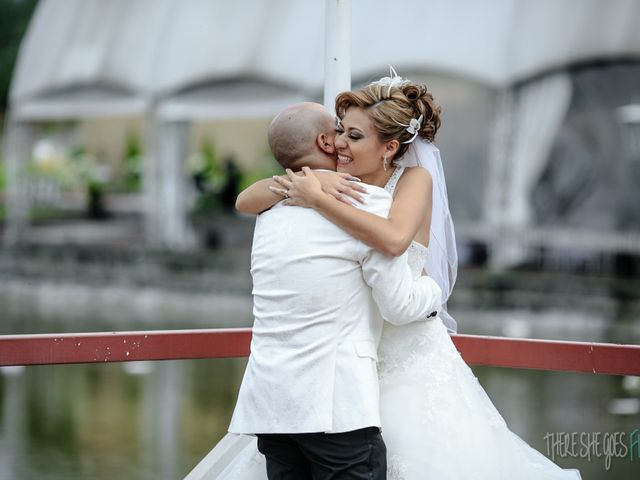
(510, 74)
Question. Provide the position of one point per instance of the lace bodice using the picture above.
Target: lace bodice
(417, 253)
(402, 346)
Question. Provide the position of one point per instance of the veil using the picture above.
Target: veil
(442, 256)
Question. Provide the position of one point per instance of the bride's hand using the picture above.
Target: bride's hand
(342, 186)
(306, 188)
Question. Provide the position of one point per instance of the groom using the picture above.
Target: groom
(310, 390)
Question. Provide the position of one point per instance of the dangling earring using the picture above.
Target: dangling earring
(384, 161)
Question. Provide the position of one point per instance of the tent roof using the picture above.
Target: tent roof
(157, 50)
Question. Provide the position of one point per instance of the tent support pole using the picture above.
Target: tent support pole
(337, 64)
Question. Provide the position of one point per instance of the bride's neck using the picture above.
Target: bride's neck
(379, 177)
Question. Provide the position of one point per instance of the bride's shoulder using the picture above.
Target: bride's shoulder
(415, 177)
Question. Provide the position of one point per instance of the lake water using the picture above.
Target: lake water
(155, 420)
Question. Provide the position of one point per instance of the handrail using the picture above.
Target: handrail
(49, 349)
(52, 349)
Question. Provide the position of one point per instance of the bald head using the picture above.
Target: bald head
(294, 131)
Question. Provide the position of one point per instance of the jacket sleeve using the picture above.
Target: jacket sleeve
(400, 298)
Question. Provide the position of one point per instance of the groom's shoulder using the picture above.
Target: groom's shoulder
(377, 200)
(279, 213)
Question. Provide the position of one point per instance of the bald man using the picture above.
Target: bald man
(310, 390)
(302, 135)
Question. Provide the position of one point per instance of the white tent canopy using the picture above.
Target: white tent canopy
(179, 61)
(154, 48)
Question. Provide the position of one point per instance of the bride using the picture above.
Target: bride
(437, 421)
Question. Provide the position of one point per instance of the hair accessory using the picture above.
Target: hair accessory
(393, 80)
(413, 128)
(339, 123)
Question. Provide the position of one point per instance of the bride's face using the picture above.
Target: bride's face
(360, 151)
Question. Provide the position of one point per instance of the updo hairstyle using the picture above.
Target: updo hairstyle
(391, 107)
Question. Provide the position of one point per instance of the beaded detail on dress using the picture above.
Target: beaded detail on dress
(390, 186)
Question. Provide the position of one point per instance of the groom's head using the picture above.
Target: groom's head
(303, 135)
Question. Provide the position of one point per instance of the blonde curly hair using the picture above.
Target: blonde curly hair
(391, 108)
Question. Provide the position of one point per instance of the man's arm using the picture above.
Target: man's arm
(400, 298)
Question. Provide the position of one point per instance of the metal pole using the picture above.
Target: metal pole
(337, 63)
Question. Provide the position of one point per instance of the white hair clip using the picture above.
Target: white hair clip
(413, 128)
(393, 80)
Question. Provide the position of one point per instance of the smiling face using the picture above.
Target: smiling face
(360, 150)
(389, 113)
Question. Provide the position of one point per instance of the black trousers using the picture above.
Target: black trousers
(360, 454)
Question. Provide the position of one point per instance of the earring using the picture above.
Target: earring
(384, 162)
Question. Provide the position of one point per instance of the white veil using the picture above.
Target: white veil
(442, 256)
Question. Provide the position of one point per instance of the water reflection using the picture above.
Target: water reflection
(105, 421)
(13, 425)
(156, 420)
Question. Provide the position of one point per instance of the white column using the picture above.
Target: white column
(175, 229)
(151, 181)
(337, 63)
(18, 146)
(165, 184)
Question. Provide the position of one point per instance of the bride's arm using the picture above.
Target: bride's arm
(258, 197)
(392, 235)
(261, 195)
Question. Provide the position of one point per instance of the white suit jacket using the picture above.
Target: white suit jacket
(316, 327)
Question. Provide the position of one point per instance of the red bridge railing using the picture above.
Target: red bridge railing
(602, 358)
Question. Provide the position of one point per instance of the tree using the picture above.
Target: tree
(14, 19)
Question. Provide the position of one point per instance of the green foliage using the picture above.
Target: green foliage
(3, 176)
(3, 187)
(269, 168)
(82, 167)
(14, 19)
(205, 168)
(208, 177)
(131, 178)
(71, 169)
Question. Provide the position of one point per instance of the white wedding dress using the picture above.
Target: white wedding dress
(437, 421)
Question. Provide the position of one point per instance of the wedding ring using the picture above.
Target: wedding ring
(286, 193)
